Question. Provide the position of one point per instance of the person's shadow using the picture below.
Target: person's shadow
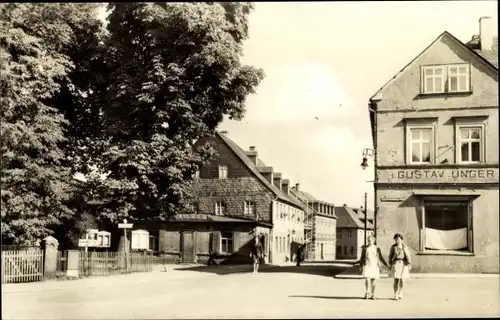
(336, 297)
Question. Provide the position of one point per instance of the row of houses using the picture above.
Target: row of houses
(238, 198)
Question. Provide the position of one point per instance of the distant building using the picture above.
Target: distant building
(350, 232)
(236, 198)
(320, 225)
(435, 132)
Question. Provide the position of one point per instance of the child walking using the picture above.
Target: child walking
(371, 256)
(399, 258)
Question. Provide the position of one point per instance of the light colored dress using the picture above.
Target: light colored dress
(399, 270)
(371, 269)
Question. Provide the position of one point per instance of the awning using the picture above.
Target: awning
(446, 195)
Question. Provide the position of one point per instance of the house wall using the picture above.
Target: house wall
(397, 181)
(404, 217)
(171, 244)
(286, 219)
(347, 243)
(325, 236)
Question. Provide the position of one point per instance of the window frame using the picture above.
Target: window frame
(218, 205)
(245, 206)
(349, 234)
(409, 139)
(470, 123)
(446, 76)
(222, 238)
(420, 123)
(423, 78)
(221, 176)
(467, 77)
(470, 228)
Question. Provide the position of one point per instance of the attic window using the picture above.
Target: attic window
(451, 78)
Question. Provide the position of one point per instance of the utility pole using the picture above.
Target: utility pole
(366, 213)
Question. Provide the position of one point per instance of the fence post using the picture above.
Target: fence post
(72, 263)
(50, 246)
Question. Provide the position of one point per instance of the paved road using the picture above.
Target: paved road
(274, 293)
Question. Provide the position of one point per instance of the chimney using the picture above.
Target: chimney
(252, 154)
(297, 185)
(486, 33)
(285, 186)
(345, 205)
(267, 173)
(277, 180)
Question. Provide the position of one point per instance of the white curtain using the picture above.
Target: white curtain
(446, 239)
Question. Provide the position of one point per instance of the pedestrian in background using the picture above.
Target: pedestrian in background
(400, 260)
(300, 253)
(257, 254)
(371, 258)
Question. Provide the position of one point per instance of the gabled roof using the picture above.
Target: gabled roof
(305, 197)
(347, 218)
(240, 153)
(453, 39)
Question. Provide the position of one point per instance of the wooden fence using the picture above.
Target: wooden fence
(107, 263)
(22, 265)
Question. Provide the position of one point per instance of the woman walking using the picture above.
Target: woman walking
(399, 258)
(371, 257)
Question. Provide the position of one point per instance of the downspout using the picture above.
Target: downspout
(373, 109)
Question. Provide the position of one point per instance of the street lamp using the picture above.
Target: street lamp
(367, 152)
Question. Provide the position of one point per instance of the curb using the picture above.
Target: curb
(430, 276)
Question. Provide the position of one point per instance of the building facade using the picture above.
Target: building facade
(320, 226)
(435, 132)
(236, 198)
(350, 233)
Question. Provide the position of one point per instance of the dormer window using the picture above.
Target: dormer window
(452, 78)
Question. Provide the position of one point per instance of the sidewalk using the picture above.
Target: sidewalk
(355, 273)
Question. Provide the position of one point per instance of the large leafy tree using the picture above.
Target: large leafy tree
(174, 73)
(36, 175)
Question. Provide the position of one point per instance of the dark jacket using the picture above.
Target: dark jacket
(393, 255)
(362, 260)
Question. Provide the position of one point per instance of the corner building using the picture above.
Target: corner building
(435, 132)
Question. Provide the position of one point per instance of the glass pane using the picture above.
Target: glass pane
(465, 151)
(475, 134)
(462, 83)
(429, 71)
(453, 84)
(415, 152)
(438, 71)
(453, 71)
(464, 133)
(426, 135)
(438, 85)
(415, 134)
(426, 152)
(429, 85)
(462, 70)
(475, 153)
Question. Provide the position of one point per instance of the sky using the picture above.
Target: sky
(323, 61)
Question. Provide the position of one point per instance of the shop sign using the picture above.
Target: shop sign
(448, 175)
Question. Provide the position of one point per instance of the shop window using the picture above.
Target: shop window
(447, 226)
(226, 242)
(351, 250)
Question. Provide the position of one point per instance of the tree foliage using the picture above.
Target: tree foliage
(175, 73)
(131, 99)
(36, 179)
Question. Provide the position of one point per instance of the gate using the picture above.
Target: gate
(22, 265)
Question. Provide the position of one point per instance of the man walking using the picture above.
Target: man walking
(257, 254)
(300, 253)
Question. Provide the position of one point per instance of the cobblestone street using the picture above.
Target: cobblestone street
(274, 293)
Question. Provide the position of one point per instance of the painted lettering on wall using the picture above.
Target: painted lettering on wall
(446, 174)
